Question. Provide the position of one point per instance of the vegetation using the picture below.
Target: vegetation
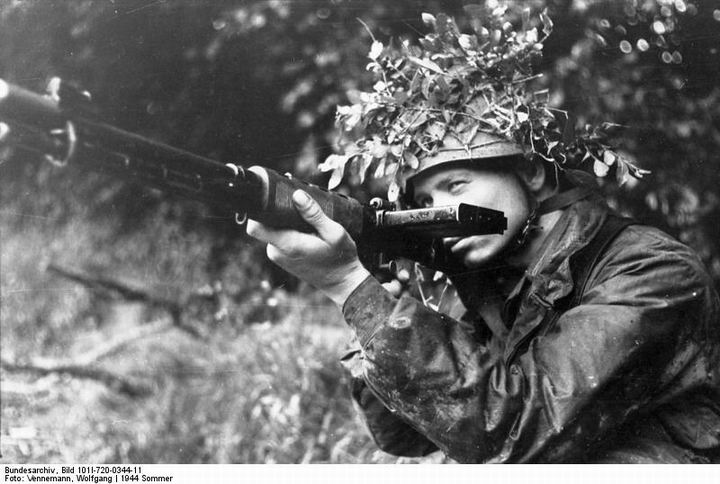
(246, 370)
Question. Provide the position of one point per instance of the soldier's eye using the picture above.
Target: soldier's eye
(424, 202)
(455, 185)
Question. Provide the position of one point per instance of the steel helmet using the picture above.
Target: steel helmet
(458, 96)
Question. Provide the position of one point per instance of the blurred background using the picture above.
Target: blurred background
(138, 327)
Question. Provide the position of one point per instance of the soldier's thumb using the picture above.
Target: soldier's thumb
(310, 210)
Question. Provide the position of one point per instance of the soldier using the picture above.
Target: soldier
(586, 337)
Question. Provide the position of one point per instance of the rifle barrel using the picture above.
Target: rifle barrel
(29, 108)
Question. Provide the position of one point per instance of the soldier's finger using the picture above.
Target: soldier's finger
(310, 210)
(284, 239)
(403, 275)
(274, 254)
(256, 230)
(394, 287)
(298, 245)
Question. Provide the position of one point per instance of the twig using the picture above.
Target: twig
(367, 28)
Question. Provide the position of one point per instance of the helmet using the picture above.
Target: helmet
(458, 97)
(483, 146)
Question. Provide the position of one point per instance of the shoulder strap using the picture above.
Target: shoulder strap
(585, 259)
(581, 265)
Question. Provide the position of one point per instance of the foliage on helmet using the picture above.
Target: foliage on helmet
(457, 84)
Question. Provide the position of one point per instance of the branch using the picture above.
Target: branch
(114, 346)
(118, 383)
(103, 284)
(15, 390)
(122, 289)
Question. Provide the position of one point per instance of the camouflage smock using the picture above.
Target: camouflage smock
(631, 374)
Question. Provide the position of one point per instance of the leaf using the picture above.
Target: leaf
(622, 174)
(531, 36)
(419, 120)
(375, 50)
(428, 19)
(427, 64)
(411, 160)
(393, 191)
(380, 169)
(379, 149)
(425, 87)
(435, 131)
(332, 162)
(467, 42)
(609, 157)
(499, 11)
(416, 83)
(396, 150)
(444, 24)
(400, 96)
(600, 168)
(344, 110)
(349, 116)
(441, 86)
(365, 163)
(336, 177)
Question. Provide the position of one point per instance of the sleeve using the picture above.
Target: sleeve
(390, 433)
(598, 364)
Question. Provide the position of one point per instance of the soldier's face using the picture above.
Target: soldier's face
(491, 189)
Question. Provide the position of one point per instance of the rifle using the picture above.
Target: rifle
(64, 126)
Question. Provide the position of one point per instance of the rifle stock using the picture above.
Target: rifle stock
(66, 131)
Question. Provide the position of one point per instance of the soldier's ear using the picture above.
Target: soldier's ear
(532, 173)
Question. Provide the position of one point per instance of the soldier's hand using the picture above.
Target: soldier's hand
(326, 259)
(399, 284)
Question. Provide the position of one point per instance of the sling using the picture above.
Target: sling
(586, 258)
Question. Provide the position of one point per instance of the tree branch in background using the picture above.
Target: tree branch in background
(103, 284)
(120, 343)
(121, 384)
